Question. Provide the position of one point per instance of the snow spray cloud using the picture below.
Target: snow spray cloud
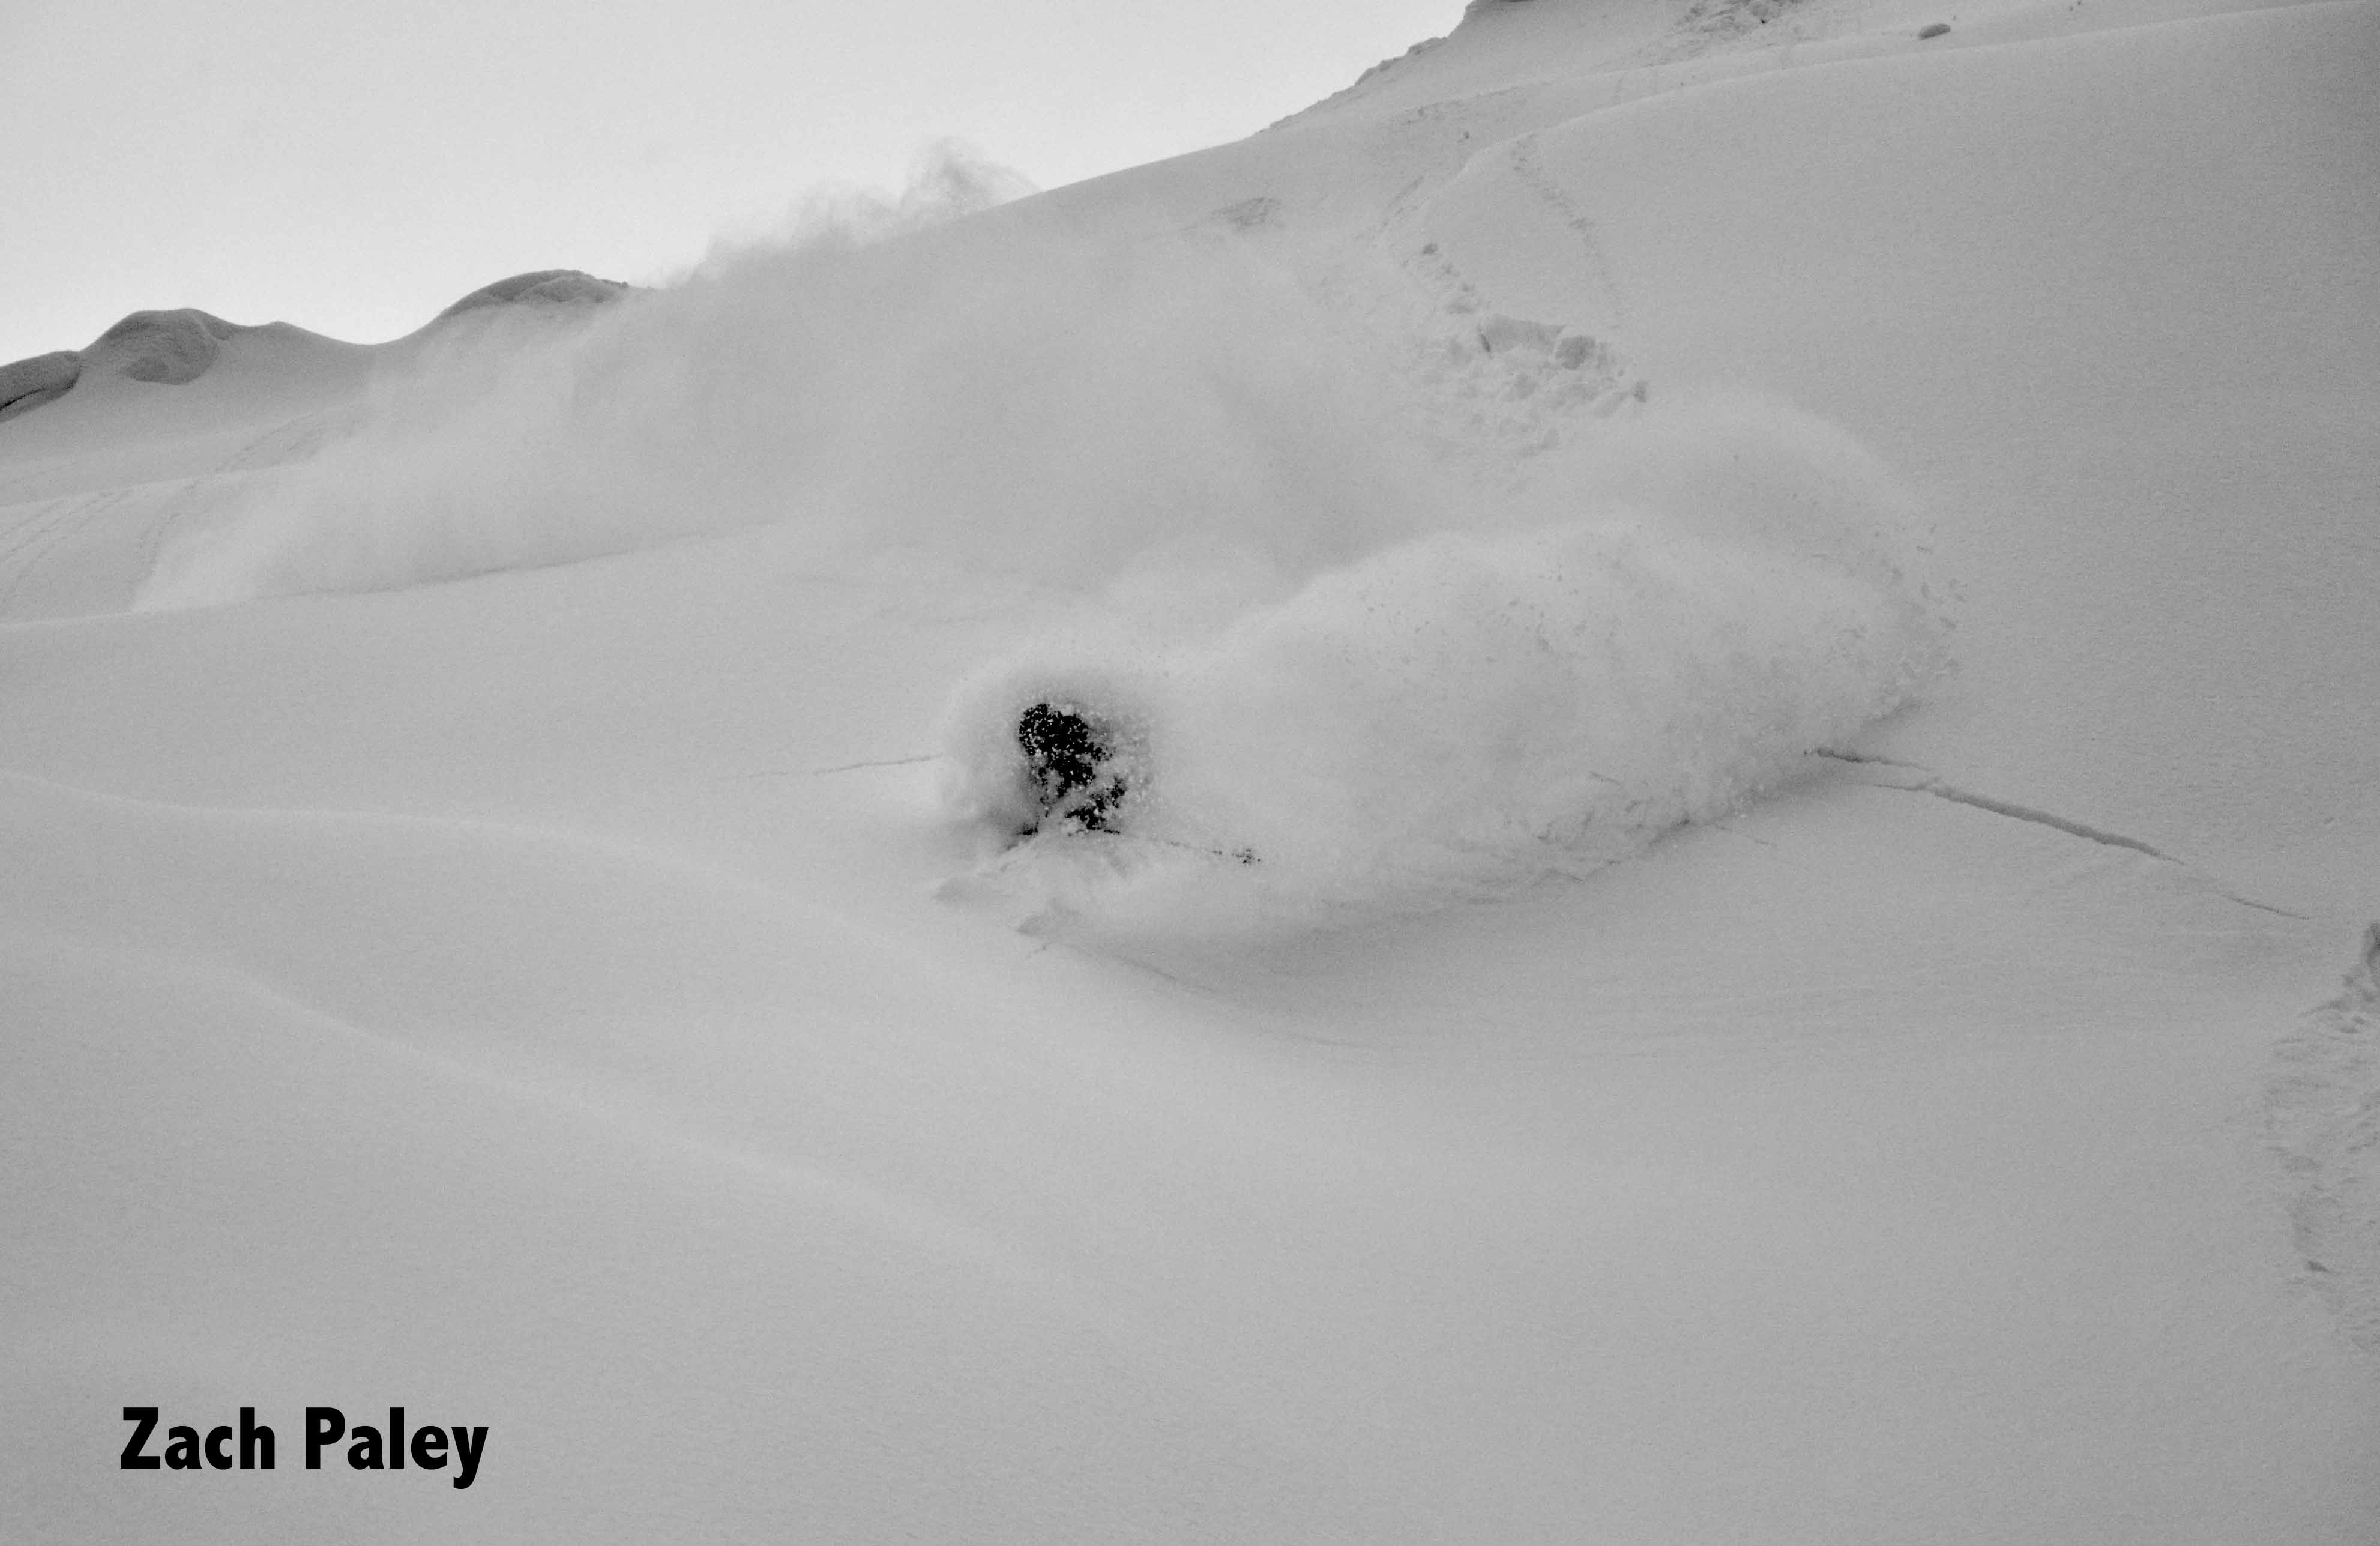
(1346, 670)
(999, 391)
(1682, 606)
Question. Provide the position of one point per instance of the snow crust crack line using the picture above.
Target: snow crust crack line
(842, 767)
(1927, 782)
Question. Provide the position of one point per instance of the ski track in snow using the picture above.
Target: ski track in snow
(2323, 1122)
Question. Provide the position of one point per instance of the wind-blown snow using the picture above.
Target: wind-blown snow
(1029, 400)
(519, 924)
(1386, 689)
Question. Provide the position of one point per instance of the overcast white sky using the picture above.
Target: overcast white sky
(354, 166)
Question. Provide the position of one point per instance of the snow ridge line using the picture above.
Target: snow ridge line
(1930, 783)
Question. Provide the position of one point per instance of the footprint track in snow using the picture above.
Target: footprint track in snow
(1528, 166)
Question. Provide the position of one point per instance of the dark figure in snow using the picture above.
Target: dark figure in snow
(1067, 757)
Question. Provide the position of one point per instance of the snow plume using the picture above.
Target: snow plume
(997, 391)
(951, 180)
(1682, 607)
(1338, 666)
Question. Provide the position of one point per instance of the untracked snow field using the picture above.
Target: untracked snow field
(1742, 652)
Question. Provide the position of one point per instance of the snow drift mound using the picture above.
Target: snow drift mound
(1468, 709)
(545, 286)
(26, 384)
(179, 346)
(163, 349)
(167, 348)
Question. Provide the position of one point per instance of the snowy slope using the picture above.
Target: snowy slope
(506, 910)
